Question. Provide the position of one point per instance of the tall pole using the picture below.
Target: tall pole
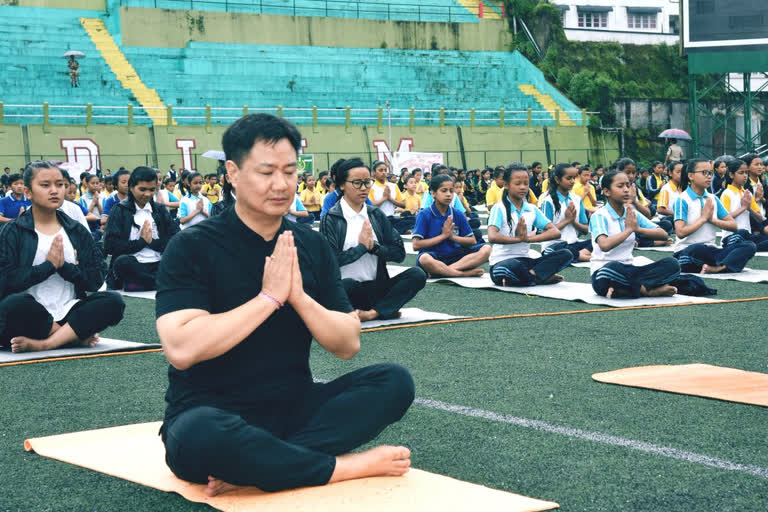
(748, 142)
(693, 114)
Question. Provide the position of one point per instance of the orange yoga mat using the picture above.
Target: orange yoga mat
(136, 453)
(702, 380)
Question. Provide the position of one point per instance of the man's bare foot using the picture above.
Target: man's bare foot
(24, 344)
(712, 269)
(368, 315)
(473, 272)
(216, 487)
(556, 278)
(660, 291)
(378, 461)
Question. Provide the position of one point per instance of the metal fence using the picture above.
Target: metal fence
(332, 8)
(209, 116)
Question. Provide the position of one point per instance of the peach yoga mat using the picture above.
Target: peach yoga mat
(136, 453)
(703, 380)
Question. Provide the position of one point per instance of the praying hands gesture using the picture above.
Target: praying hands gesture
(708, 209)
(146, 232)
(570, 212)
(521, 230)
(95, 203)
(759, 193)
(630, 222)
(56, 252)
(746, 200)
(387, 192)
(282, 275)
(447, 231)
(366, 235)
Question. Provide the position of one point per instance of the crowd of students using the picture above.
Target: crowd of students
(364, 211)
(237, 278)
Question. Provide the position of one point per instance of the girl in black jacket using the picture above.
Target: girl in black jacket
(137, 232)
(48, 262)
(363, 240)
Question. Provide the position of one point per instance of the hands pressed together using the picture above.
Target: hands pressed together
(366, 235)
(521, 230)
(282, 275)
(56, 252)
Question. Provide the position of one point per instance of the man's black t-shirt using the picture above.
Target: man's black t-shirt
(218, 265)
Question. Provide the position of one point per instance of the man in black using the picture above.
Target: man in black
(242, 405)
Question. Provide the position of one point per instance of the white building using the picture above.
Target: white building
(621, 21)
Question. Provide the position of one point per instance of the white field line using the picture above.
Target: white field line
(599, 437)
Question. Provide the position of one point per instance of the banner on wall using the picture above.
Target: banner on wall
(306, 163)
(412, 160)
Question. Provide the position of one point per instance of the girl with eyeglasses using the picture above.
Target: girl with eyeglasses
(698, 217)
(364, 240)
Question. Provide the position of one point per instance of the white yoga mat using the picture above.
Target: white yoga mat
(748, 275)
(410, 316)
(762, 254)
(660, 248)
(103, 346)
(409, 249)
(637, 261)
(568, 291)
(139, 295)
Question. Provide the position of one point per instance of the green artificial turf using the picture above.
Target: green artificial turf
(535, 368)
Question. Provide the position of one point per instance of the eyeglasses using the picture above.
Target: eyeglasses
(706, 174)
(360, 183)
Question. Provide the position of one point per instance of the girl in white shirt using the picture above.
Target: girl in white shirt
(48, 262)
(698, 217)
(740, 203)
(566, 211)
(614, 228)
(512, 226)
(194, 207)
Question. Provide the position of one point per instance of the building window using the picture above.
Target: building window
(593, 19)
(641, 21)
(674, 24)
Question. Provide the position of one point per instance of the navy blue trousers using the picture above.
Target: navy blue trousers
(575, 248)
(734, 255)
(517, 271)
(629, 278)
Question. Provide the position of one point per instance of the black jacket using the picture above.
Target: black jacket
(18, 245)
(117, 232)
(334, 228)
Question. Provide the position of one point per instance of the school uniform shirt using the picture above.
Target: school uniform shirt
(412, 201)
(55, 294)
(429, 224)
(731, 200)
(605, 221)
(364, 268)
(85, 201)
(534, 219)
(754, 184)
(377, 192)
(688, 208)
(212, 193)
(10, 206)
(297, 207)
(427, 201)
(569, 233)
(307, 195)
(578, 189)
(75, 211)
(654, 186)
(109, 202)
(188, 205)
(668, 195)
(493, 195)
(147, 254)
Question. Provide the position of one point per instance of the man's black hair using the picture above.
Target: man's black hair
(246, 131)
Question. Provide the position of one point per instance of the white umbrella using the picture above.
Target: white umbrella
(215, 154)
(74, 53)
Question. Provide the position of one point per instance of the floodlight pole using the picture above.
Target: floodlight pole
(693, 114)
(749, 144)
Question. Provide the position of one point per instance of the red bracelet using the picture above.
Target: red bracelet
(271, 298)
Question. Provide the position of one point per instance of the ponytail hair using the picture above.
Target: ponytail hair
(733, 166)
(623, 163)
(609, 177)
(689, 167)
(139, 174)
(437, 181)
(184, 189)
(508, 172)
(556, 174)
(340, 170)
(32, 168)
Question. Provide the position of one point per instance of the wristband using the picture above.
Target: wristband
(267, 296)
